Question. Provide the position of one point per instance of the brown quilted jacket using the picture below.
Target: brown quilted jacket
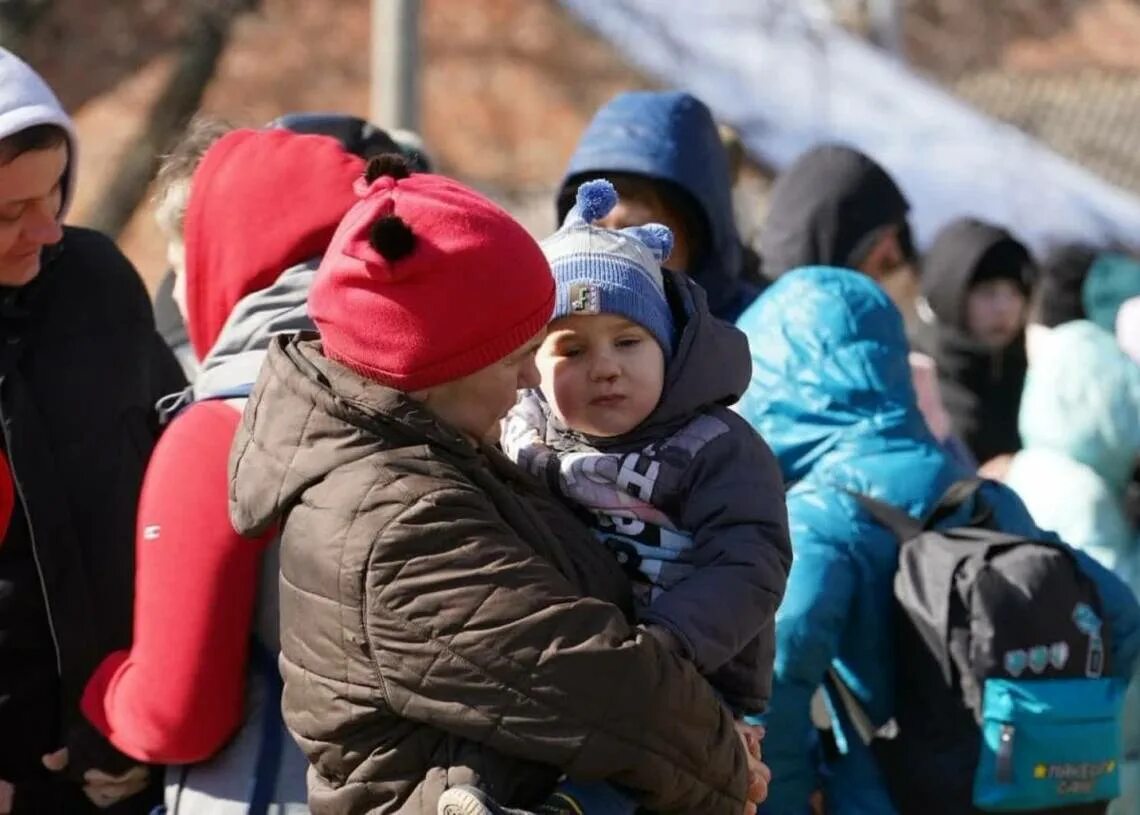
(445, 621)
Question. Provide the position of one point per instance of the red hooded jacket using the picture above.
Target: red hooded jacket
(260, 203)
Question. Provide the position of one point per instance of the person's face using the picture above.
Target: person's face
(995, 312)
(31, 194)
(176, 257)
(639, 211)
(475, 404)
(602, 374)
(888, 266)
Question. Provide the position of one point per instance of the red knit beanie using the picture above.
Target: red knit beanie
(426, 281)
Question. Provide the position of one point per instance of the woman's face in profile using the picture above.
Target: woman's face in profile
(475, 404)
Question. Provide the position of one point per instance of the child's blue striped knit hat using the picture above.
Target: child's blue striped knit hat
(610, 271)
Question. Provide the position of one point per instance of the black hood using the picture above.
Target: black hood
(981, 387)
(826, 209)
(960, 253)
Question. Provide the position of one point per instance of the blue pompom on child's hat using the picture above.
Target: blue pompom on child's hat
(595, 199)
(611, 271)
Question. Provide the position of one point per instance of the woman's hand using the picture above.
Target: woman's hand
(759, 776)
(103, 789)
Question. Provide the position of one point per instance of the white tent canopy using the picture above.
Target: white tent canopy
(788, 79)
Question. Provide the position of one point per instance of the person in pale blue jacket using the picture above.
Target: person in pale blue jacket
(831, 392)
(1080, 427)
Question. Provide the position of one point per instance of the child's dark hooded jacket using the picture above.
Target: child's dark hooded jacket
(691, 500)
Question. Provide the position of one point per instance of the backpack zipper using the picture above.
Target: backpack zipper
(1004, 766)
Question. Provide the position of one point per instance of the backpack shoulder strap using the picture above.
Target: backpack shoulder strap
(269, 751)
(902, 525)
(956, 495)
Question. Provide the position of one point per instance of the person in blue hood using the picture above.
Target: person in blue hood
(831, 393)
(663, 153)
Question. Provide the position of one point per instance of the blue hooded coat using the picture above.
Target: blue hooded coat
(831, 393)
(670, 136)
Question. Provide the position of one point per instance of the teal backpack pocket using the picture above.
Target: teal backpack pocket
(1049, 743)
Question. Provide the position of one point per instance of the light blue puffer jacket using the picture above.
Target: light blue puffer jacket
(831, 393)
(1080, 426)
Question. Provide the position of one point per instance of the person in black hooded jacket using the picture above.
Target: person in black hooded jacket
(81, 368)
(836, 206)
(976, 280)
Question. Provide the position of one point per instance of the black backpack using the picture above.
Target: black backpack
(1003, 700)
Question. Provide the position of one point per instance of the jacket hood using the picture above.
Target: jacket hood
(261, 202)
(27, 101)
(829, 368)
(282, 308)
(318, 408)
(669, 136)
(981, 386)
(711, 365)
(1082, 400)
(957, 256)
(1113, 278)
(826, 209)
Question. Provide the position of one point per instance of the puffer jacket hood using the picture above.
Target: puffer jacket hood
(27, 101)
(1082, 400)
(285, 449)
(670, 136)
(829, 369)
(261, 202)
(826, 208)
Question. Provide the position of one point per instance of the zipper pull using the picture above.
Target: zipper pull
(1004, 768)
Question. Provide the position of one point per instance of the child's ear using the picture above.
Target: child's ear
(658, 237)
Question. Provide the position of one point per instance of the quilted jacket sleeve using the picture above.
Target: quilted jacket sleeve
(476, 635)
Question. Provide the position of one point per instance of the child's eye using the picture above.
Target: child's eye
(628, 342)
(570, 352)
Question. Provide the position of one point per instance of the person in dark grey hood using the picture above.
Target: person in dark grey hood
(976, 280)
(662, 151)
(836, 206)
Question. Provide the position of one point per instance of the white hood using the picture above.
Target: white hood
(27, 101)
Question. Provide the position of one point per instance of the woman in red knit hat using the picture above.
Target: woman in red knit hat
(444, 620)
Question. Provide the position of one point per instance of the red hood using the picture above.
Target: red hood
(261, 202)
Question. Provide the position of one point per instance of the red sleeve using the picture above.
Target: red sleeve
(177, 696)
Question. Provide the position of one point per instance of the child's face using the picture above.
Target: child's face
(601, 374)
(995, 312)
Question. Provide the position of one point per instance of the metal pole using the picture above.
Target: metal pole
(886, 26)
(395, 63)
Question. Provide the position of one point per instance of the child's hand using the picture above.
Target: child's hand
(759, 776)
